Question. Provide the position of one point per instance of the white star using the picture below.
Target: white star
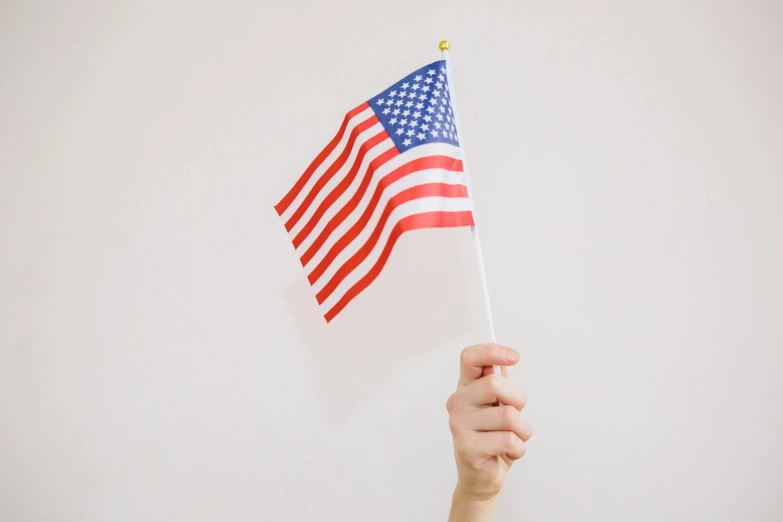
(407, 142)
(434, 134)
(417, 114)
(422, 97)
(406, 85)
(431, 72)
(424, 127)
(428, 80)
(410, 133)
(393, 121)
(380, 101)
(434, 100)
(421, 135)
(409, 104)
(386, 110)
(412, 95)
(436, 93)
(425, 88)
(442, 109)
(438, 85)
(400, 131)
(392, 94)
(437, 125)
(420, 106)
(412, 123)
(441, 78)
(440, 117)
(399, 102)
(406, 113)
(404, 122)
(418, 78)
(427, 118)
(430, 110)
(415, 87)
(396, 112)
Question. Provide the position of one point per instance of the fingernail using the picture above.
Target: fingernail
(512, 356)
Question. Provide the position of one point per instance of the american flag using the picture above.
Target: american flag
(395, 165)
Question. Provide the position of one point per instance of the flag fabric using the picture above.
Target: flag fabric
(395, 165)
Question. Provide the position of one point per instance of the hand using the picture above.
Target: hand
(488, 437)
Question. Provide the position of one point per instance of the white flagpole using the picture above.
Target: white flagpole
(444, 47)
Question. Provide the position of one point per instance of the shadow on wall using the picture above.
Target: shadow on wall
(417, 303)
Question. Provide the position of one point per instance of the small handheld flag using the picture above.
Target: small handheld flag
(394, 165)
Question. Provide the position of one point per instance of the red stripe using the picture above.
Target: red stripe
(340, 188)
(337, 165)
(417, 192)
(350, 206)
(415, 222)
(289, 198)
(430, 162)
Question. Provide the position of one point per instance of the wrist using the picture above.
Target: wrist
(466, 507)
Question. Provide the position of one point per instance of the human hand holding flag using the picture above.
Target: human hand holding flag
(487, 439)
(396, 164)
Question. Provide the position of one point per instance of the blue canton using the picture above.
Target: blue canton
(417, 109)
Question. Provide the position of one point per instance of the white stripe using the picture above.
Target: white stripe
(351, 249)
(338, 176)
(411, 180)
(344, 197)
(339, 148)
(417, 206)
(433, 149)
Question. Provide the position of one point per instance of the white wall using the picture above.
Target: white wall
(162, 358)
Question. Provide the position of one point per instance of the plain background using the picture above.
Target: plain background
(162, 358)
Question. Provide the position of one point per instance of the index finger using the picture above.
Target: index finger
(474, 359)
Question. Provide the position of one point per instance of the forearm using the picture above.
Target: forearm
(465, 509)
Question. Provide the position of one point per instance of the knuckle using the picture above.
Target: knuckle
(509, 415)
(512, 441)
(451, 402)
(522, 450)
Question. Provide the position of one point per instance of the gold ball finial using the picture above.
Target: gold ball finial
(444, 45)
